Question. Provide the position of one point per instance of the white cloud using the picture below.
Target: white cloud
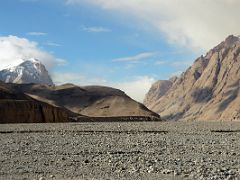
(130, 66)
(135, 58)
(96, 29)
(36, 34)
(185, 63)
(76, 78)
(136, 88)
(13, 49)
(177, 73)
(52, 44)
(29, 0)
(195, 24)
(160, 62)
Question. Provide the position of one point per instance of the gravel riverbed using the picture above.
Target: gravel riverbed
(137, 150)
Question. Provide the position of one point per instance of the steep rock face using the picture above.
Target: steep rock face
(94, 101)
(16, 107)
(208, 90)
(27, 111)
(30, 71)
(157, 90)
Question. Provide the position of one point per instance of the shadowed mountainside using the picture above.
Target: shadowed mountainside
(208, 90)
(158, 90)
(17, 107)
(94, 101)
(35, 103)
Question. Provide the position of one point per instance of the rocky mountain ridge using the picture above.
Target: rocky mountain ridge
(27, 94)
(17, 107)
(36, 103)
(208, 90)
(29, 71)
(93, 101)
(157, 90)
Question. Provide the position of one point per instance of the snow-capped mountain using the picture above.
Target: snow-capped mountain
(29, 71)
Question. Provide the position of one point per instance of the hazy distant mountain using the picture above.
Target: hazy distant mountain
(30, 71)
(157, 90)
(208, 90)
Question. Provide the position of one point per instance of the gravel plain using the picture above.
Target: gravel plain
(133, 150)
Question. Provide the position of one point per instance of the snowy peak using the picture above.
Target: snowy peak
(29, 71)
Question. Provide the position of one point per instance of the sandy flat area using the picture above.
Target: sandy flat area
(134, 150)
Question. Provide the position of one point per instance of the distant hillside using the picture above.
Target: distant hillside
(16, 107)
(95, 101)
(31, 103)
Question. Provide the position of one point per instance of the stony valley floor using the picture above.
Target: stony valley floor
(138, 150)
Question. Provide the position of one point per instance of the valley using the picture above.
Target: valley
(121, 150)
(115, 90)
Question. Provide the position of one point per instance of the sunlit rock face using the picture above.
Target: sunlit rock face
(208, 90)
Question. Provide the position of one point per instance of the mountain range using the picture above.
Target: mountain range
(25, 102)
(208, 90)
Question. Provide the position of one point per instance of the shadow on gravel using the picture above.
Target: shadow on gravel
(119, 119)
(225, 131)
(106, 152)
(84, 132)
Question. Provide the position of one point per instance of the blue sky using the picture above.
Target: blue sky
(120, 44)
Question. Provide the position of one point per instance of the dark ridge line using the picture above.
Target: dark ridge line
(118, 119)
(225, 131)
(109, 121)
(107, 152)
(94, 132)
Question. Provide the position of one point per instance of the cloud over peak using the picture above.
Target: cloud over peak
(14, 49)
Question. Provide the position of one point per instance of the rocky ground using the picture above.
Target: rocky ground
(139, 150)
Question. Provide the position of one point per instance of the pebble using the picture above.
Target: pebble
(180, 152)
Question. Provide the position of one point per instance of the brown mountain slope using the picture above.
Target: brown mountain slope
(208, 90)
(157, 90)
(17, 107)
(95, 101)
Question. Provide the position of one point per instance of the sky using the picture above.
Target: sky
(127, 44)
